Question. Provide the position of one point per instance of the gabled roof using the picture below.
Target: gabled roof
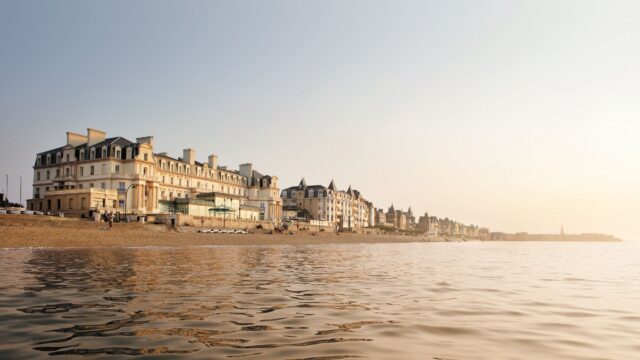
(303, 184)
(332, 185)
(356, 193)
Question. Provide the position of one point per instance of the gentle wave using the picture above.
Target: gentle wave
(422, 301)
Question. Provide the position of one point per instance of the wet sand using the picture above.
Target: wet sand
(41, 231)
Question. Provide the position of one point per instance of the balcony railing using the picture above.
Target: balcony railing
(65, 177)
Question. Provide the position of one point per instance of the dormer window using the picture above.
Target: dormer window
(67, 158)
(92, 154)
(82, 155)
(104, 153)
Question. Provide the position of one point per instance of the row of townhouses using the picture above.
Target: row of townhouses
(92, 172)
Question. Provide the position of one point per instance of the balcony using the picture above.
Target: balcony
(65, 177)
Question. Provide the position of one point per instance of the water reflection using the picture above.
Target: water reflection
(438, 301)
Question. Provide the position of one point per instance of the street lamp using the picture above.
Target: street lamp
(224, 221)
(125, 200)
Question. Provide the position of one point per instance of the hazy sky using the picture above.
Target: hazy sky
(516, 115)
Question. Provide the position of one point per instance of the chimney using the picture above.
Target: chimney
(189, 156)
(74, 139)
(213, 161)
(95, 136)
(145, 140)
(246, 170)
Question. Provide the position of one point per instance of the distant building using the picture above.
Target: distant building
(423, 223)
(399, 219)
(380, 217)
(344, 209)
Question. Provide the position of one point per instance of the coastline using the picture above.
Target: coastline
(22, 231)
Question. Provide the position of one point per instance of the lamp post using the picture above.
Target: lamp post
(224, 219)
(125, 200)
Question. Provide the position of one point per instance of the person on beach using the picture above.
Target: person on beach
(110, 221)
(202, 221)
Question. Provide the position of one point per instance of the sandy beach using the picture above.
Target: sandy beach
(42, 231)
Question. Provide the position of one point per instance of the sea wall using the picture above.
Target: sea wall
(217, 222)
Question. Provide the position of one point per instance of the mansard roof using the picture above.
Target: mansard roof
(52, 151)
(113, 141)
(316, 187)
(255, 174)
(110, 141)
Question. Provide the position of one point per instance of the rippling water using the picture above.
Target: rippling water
(423, 301)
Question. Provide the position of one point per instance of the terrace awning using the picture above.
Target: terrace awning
(221, 210)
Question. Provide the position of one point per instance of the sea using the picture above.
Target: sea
(438, 301)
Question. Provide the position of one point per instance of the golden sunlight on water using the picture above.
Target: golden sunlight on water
(377, 301)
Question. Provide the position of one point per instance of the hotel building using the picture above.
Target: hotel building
(93, 172)
(341, 209)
